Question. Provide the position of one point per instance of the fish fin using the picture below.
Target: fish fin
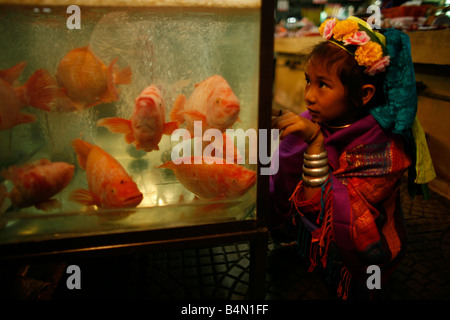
(178, 106)
(40, 91)
(123, 76)
(64, 103)
(170, 127)
(116, 125)
(180, 84)
(199, 83)
(10, 75)
(84, 197)
(195, 115)
(11, 173)
(49, 205)
(26, 118)
(167, 165)
(111, 94)
(129, 138)
(82, 149)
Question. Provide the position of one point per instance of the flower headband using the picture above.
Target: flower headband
(357, 38)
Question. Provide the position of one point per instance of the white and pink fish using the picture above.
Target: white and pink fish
(212, 102)
(147, 123)
(209, 179)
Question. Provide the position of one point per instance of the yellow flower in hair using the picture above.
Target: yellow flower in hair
(345, 29)
(366, 55)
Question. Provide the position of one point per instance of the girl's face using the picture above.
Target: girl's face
(325, 96)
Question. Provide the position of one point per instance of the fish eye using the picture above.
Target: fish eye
(122, 182)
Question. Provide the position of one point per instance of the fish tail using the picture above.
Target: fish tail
(26, 118)
(123, 76)
(40, 91)
(82, 149)
(178, 106)
(11, 74)
(84, 197)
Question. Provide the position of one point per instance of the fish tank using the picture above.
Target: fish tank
(120, 117)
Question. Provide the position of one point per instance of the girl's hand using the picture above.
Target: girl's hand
(290, 123)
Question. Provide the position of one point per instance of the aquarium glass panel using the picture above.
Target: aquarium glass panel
(110, 116)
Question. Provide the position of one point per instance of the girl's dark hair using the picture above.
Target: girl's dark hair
(349, 72)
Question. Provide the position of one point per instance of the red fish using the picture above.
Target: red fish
(213, 102)
(40, 91)
(86, 81)
(109, 184)
(36, 183)
(147, 123)
(214, 180)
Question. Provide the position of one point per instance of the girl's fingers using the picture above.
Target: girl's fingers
(294, 124)
(277, 112)
(286, 115)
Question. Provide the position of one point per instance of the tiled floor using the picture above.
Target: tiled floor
(222, 272)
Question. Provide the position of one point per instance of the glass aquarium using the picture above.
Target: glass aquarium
(118, 116)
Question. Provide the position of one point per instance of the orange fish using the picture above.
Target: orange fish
(86, 81)
(212, 181)
(212, 102)
(10, 75)
(147, 123)
(40, 91)
(109, 184)
(36, 183)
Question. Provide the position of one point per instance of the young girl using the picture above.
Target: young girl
(341, 161)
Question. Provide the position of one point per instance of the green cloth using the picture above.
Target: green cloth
(400, 107)
(399, 112)
(424, 166)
